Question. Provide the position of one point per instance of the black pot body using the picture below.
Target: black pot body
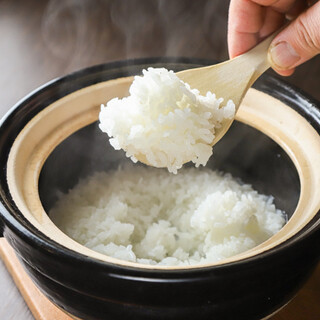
(89, 289)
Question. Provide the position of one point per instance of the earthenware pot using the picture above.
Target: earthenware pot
(50, 139)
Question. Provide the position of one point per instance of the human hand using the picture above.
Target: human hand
(252, 20)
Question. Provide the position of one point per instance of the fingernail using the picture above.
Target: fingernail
(283, 56)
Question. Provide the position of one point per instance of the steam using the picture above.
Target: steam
(82, 32)
(172, 28)
(214, 26)
(181, 22)
(68, 31)
(139, 24)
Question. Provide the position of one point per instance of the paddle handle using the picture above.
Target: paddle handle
(258, 57)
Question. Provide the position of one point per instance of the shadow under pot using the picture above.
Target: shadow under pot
(51, 139)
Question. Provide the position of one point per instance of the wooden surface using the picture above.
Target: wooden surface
(305, 306)
(39, 305)
(42, 40)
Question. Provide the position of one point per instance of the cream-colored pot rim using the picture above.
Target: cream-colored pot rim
(65, 116)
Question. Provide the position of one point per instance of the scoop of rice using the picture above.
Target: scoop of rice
(164, 120)
(150, 216)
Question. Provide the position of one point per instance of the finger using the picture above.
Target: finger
(285, 73)
(245, 16)
(245, 20)
(298, 7)
(282, 6)
(272, 22)
(239, 43)
(298, 42)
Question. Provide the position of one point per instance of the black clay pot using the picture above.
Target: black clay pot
(88, 288)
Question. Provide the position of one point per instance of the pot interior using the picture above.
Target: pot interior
(245, 152)
(270, 146)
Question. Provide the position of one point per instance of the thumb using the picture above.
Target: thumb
(298, 42)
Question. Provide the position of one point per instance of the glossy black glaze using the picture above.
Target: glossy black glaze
(89, 289)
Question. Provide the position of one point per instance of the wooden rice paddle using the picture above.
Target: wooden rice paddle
(228, 80)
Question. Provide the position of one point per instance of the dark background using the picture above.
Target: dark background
(41, 40)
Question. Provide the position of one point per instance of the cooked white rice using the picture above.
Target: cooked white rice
(149, 216)
(164, 120)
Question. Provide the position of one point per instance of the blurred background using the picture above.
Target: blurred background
(42, 40)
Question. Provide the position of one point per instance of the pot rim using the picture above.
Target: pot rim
(31, 235)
